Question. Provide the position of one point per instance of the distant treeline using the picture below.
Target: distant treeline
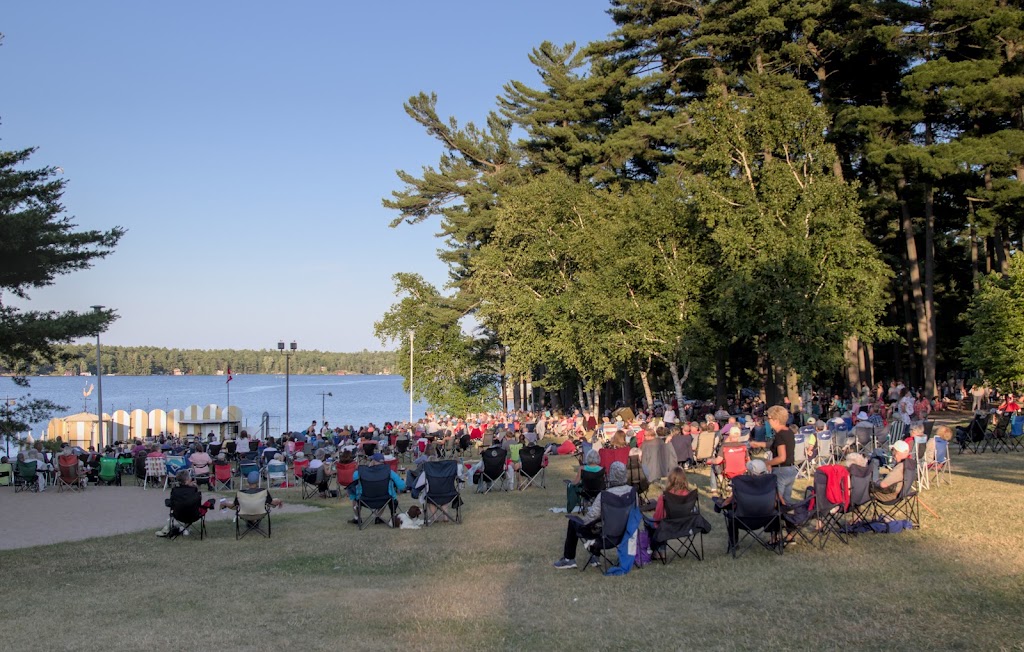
(151, 360)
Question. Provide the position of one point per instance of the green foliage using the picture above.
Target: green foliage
(995, 345)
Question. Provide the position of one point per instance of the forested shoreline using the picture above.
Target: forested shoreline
(151, 360)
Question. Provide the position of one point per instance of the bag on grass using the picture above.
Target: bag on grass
(643, 548)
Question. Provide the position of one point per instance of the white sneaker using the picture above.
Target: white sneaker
(185, 532)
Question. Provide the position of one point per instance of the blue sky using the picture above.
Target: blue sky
(246, 147)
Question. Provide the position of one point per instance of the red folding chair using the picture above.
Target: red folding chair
(734, 463)
(344, 473)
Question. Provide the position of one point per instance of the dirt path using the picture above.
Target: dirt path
(33, 519)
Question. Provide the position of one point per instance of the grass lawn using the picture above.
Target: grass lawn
(957, 583)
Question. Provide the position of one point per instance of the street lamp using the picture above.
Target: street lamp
(287, 387)
(99, 383)
(323, 405)
(412, 339)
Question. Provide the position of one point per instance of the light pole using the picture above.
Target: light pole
(323, 405)
(412, 339)
(99, 385)
(287, 387)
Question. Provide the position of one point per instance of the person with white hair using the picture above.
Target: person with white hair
(586, 527)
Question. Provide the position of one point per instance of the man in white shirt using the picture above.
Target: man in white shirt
(906, 406)
(670, 417)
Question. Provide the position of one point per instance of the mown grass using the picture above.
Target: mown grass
(488, 584)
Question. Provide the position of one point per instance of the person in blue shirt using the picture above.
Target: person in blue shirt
(355, 490)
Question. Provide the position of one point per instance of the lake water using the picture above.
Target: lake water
(356, 400)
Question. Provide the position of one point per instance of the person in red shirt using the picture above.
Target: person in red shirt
(1009, 405)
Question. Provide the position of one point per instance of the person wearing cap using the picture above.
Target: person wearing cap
(890, 486)
(585, 527)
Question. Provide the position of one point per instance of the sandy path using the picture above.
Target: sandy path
(33, 519)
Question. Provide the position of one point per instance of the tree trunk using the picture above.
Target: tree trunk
(792, 388)
(853, 363)
(720, 359)
(583, 396)
(916, 291)
(677, 380)
(596, 404)
(908, 328)
(646, 381)
(763, 372)
(897, 355)
(869, 364)
(929, 288)
(975, 275)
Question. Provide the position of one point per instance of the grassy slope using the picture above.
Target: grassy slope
(319, 583)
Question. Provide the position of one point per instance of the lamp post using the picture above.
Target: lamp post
(99, 385)
(412, 339)
(323, 405)
(287, 372)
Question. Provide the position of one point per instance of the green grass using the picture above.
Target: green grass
(319, 583)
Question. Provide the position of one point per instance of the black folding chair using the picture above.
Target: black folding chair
(905, 505)
(637, 478)
(755, 511)
(375, 494)
(186, 513)
(999, 438)
(591, 484)
(442, 491)
(309, 486)
(25, 477)
(829, 517)
(974, 436)
(860, 496)
(615, 510)
(493, 471)
(531, 466)
(681, 527)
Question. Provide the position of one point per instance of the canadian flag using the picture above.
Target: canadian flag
(229, 375)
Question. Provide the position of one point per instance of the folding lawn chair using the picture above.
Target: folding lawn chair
(682, 525)
(864, 437)
(1017, 432)
(972, 437)
(374, 492)
(905, 506)
(493, 472)
(826, 454)
(403, 448)
(299, 469)
(245, 468)
(109, 473)
(125, 464)
(615, 513)
(276, 471)
(67, 476)
(591, 484)
(938, 461)
(999, 438)
(531, 467)
(705, 447)
(831, 479)
(734, 464)
(6, 474)
(920, 453)
(840, 440)
(800, 460)
(611, 455)
(156, 472)
(308, 484)
(25, 477)
(442, 491)
(221, 476)
(756, 512)
(861, 510)
(251, 511)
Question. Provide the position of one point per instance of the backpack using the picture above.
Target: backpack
(643, 548)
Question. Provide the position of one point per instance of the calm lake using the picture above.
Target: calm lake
(355, 400)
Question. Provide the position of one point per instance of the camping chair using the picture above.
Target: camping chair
(308, 484)
(864, 437)
(756, 511)
(611, 527)
(531, 467)
(6, 474)
(999, 438)
(905, 506)
(825, 450)
(252, 510)
(937, 461)
(705, 448)
(67, 476)
(861, 508)
(465, 443)
(897, 431)
(800, 460)
(974, 436)
(201, 474)
(109, 473)
(276, 471)
(125, 465)
(591, 484)
(920, 454)
(834, 479)
(139, 463)
(186, 515)
(403, 448)
(493, 471)
(343, 475)
(637, 478)
(840, 440)
(442, 491)
(245, 468)
(156, 472)
(1017, 432)
(609, 455)
(25, 477)
(734, 463)
(682, 524)
(375, 494)
(221, 476)
(299, 469)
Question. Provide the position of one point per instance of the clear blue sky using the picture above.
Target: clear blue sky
(246, 147)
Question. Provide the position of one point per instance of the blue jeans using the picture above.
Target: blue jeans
(785, 476)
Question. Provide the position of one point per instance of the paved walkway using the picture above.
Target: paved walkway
(34, 519)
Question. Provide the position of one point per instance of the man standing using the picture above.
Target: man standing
(906, 406)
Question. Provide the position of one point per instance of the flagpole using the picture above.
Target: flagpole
(228, 383)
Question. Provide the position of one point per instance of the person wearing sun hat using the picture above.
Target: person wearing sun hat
(890, 486)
